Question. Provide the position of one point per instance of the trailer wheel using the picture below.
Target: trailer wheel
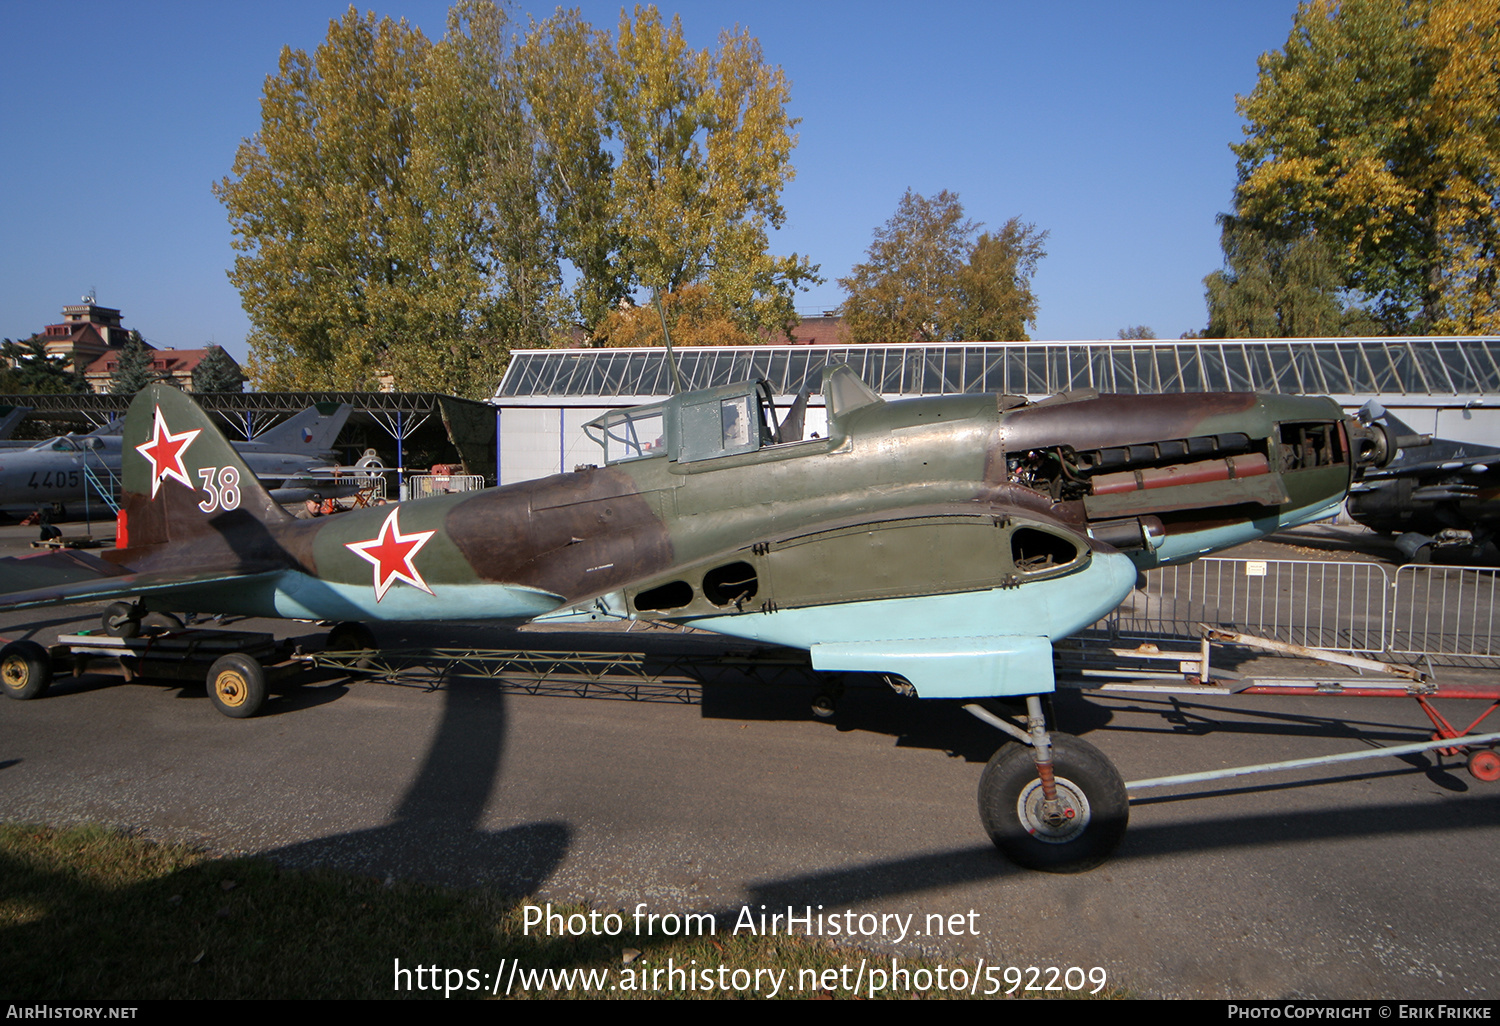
(122, 620)
(1094, 806)
(237, 685)
(25, 669)
(1485, 765)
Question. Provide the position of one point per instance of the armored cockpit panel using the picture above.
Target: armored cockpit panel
(844, 392)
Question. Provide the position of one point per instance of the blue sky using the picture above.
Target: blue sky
(1106, 124)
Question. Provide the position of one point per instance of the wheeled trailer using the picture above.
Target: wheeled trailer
(238, 667)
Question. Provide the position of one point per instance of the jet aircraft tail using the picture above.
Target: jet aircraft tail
(314, 430)
(182, 478)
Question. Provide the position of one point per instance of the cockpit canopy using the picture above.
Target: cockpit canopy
(724, 421)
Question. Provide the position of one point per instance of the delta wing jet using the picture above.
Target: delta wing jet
(949, 541)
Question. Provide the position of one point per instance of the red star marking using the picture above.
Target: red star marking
(391, 553)
(165, 453)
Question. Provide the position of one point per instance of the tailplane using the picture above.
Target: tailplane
(181, 477)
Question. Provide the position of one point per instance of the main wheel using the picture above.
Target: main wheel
(237, 685)
(122, 620)
(351, 636)
(1093, 806)
(25, 669)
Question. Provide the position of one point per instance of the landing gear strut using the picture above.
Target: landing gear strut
(1053, 802)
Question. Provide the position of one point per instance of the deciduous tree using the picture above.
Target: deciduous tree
(349, 265)
(995, 284)
(1275, 288)
(1378, 128)
(928, 279)
(695, 317)
(413, 209)
(702, 144)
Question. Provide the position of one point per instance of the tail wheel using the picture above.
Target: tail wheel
(25, 669)
(122, 620)
(237, 685)
(1088, 823)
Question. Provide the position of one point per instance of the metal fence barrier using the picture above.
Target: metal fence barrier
(423, 486)
(1340, 606)
(1446, 611)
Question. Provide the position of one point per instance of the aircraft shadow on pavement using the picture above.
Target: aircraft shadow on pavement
(435, 833)
(1374, 547)
(31, 630)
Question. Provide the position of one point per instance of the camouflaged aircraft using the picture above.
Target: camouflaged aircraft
(946, 542)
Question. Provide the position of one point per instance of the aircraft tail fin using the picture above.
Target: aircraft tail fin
(315, 429)
(10, 419)
(182, 478)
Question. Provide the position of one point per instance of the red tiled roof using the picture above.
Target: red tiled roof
(176, 362)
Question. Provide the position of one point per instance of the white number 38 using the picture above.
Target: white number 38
(223, 487)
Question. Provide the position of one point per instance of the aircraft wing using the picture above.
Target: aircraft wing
(1466, 458)
(65, 577)
(1447, 471)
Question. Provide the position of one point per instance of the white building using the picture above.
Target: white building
(1449, 387)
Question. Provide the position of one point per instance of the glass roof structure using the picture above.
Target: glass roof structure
(1455, 368)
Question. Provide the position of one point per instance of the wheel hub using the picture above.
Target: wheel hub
(1055, 822)
(231, 688)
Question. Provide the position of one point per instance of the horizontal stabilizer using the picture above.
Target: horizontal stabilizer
(62, 578)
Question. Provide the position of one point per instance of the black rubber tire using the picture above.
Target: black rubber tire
(237, 685)
(1087, 783)
(25, 670)
(351, 636)
(121, 620)
(168, 622)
